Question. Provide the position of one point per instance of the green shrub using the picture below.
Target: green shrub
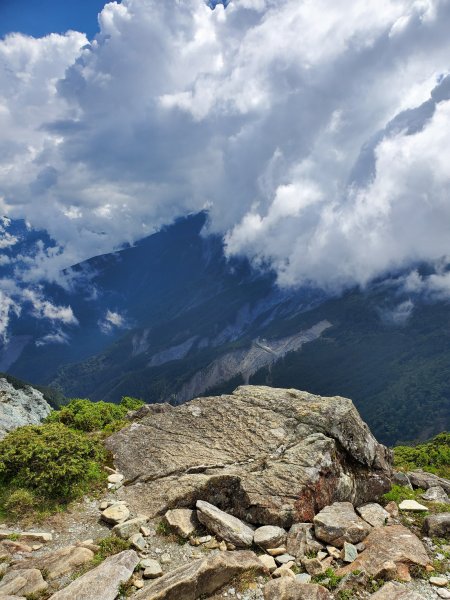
(131, 403)
(108, 546)
(398, 493)
(51, 460)
(84, 415)
(20, 502)
(432, 456)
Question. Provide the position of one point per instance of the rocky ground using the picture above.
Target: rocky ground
(239, 530)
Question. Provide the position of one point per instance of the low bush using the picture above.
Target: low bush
(50, 460)
(432, 456)
(84, 415)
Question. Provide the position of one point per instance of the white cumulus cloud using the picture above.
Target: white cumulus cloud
(316, 132)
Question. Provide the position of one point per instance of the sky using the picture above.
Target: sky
(316, 132)
(41, 17)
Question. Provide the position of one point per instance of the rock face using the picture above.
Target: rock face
(20, 407)
(201, 577)
(269, 456)
(102, 583)
(389, 552)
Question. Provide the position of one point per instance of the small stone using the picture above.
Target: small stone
(138, 584)
(128, 528)
(284, 571)
(138, 542)
(152, 569)
(443, 593)
(303, 577)
(269, 536)
(334, 552)
(203, 539)
(413, 506)
(268, 562)
(349, 553)
(182, 520)
(104, 505)
(37, 547)
(374, 514)
(115, 478)
(283, 559)
(211, 545)
(146, 532)
(165, 558)
(321, 555)
(392, 509)
(223, 547)
(231, 547)
(276, 551)
(116, 513)
(313, 566)
(438, 581)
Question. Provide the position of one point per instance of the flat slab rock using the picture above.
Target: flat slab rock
(60, 562)
(395, 591)
(389, 552)
(201, 577)
(27, 582)
(339, 523)
(269, 456)
(286, 588)
(103, 582)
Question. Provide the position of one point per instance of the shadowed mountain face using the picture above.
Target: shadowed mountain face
(170, 319)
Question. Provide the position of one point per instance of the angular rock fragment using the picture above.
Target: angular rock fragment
(201, 577)
(389, 553)
(412, 506)
(339, 523)
(269, 536)
(103, 582)
(395, 591)
(374, 514)
(226, 526)
(436, 494)
(301, 541)
(25, 582)
(116, 513)
(182, 520)
(292, 589)
(60, 562)
(437, 525)
(128, 528)
(421, 479)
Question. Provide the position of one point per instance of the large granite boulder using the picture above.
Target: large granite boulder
(269, 456)
(421, 479)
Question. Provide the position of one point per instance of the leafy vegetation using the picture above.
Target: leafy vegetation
(398, 493)
(83, 415)
(432, 456)
(51, 461)
(329, 579)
